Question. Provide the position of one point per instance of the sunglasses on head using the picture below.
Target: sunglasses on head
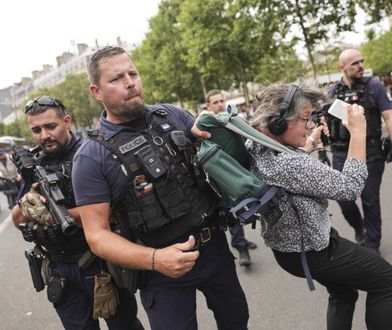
(44, 101)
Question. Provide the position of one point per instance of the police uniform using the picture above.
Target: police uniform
(73, 286)
(372, 96)
(147, 171)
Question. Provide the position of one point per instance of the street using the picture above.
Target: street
(276, 299)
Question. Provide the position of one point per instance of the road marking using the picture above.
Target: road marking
(5, 223)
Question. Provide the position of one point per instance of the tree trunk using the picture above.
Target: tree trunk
(306, 39)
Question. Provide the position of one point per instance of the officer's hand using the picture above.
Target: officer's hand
(33, 207)
(196, 132)
(177, 259)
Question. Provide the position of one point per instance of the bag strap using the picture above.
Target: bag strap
(253, 204)
(304, 262)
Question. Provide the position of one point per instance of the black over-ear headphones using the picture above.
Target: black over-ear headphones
(278, 125)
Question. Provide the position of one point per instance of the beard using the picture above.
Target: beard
(53, 151)
(131, 111)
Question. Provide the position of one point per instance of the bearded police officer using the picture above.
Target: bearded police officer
(76, 281)
(355, 88)
(139, 168)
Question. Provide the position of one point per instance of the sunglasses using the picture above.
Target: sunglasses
(44, 101)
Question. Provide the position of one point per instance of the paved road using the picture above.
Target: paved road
(277, 300)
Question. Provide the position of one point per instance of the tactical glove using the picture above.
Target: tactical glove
(34, 209)
(105, 297)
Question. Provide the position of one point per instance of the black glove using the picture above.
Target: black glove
(387, 149)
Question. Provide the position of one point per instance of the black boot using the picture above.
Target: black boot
(244, 257)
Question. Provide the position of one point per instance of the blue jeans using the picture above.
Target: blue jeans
(238, 239)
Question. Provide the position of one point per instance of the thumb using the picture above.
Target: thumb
(188, 245)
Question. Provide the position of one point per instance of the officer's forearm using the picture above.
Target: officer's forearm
(387, 116)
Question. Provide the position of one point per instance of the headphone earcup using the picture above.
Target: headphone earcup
(277, 125)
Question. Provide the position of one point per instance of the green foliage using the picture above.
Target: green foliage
(376, 9)
(227, 39)
(18, 128)
(378, 54)
(160, 60)
(284, 66)
(74, 93)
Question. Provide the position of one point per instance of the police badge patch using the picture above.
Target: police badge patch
(133, 144)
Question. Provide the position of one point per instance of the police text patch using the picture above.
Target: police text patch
(132, 144)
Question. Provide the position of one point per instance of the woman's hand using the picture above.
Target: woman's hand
(356, 125)
(356, 121)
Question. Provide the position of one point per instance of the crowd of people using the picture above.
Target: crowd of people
(145, 218)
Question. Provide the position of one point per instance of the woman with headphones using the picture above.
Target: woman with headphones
(301, 221)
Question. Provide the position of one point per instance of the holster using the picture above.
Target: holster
(35, 258)
(56, 290)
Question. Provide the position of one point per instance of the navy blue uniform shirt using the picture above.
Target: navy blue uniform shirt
(376, 95)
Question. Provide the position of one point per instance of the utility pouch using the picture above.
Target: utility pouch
(35, 258)
(56, 290)
(172, 198)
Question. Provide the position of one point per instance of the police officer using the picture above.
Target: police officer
(216, 102)
(73, 270)
(141, 166)
(355, 88)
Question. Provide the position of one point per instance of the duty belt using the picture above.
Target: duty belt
(64, 258)
(205, 234)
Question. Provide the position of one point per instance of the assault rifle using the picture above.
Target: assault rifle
(48, 185)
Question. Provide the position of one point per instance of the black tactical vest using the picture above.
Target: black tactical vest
(166, 195)
(339, 135)
(55, 242)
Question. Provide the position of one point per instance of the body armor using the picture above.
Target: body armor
(166, 195)
(340, 137)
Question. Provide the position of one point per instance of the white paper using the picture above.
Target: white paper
(339, 109)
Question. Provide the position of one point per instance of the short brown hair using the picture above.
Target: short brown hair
(99, 57)
(212, 93)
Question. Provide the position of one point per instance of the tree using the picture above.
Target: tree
(378, 54)
(316, 19)
(160, 60)
(283, 66)
(377, 9)
(74, 93)
(228, 38)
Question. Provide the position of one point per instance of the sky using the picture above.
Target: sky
(34, 32)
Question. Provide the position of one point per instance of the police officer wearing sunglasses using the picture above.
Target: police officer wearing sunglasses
(71, 271)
